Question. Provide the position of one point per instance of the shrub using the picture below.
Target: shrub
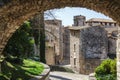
(13, 59)
(107, 70)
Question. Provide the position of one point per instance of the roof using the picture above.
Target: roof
(100, 20)
(53, 21)
(77, 27)
(110, 30)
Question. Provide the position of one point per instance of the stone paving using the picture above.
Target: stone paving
(67, 76)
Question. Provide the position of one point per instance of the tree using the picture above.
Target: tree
(42, 38)
(21, 43)
(106, 70)
(39, 32)
(39, 35)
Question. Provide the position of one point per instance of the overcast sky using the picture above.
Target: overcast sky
(66, 14)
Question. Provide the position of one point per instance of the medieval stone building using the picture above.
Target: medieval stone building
(73, 35)
(53, 41)
(79, 20)
(111, 28)
(66, 46)
(88, 46)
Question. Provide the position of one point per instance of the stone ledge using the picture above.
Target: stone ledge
(92, 76)
(44, 75)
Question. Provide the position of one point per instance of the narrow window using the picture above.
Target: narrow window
(74, 61)
(105, 24)
(74, 33)
(110, 24)
(74, 47)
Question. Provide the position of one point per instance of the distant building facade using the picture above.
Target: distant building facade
(110, 27)
(53, 41)
(79, 20)
(66, 46)
(59, 41)
(88, 46)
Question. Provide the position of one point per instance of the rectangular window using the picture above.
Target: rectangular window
(74, 47)
(74, 33)
(74, 61)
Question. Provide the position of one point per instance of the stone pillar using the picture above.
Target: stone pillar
(118, 55)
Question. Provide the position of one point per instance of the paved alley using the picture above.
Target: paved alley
(55, 75)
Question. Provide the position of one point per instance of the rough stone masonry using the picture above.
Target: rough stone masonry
(89, 45)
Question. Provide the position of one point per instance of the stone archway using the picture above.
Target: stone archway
(13, 14)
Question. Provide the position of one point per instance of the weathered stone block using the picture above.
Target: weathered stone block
(94, 42)
(112, 46)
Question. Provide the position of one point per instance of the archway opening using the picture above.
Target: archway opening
(43, 5)
(70, 15)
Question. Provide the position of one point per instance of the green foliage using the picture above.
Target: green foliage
(21, 43)
(14, 60)
(107, 70)
(32, 67)
(25, 71)
(42, 46)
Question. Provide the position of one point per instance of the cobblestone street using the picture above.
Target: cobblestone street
(67, 76)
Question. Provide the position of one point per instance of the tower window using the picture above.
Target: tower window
(74, 61)
(74, 47)
(74, 33)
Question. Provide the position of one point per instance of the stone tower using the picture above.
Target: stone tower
(86, 53)
(79, 20)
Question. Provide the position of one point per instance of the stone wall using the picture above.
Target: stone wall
(118, 55)
(79, 20)
(50, 56)
(66, 46)
(88, 46)
(90, 65)
(94, 42)
(76, 58)
(112, 45)
(53, 41)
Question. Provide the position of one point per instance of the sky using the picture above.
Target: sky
(66, 14)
